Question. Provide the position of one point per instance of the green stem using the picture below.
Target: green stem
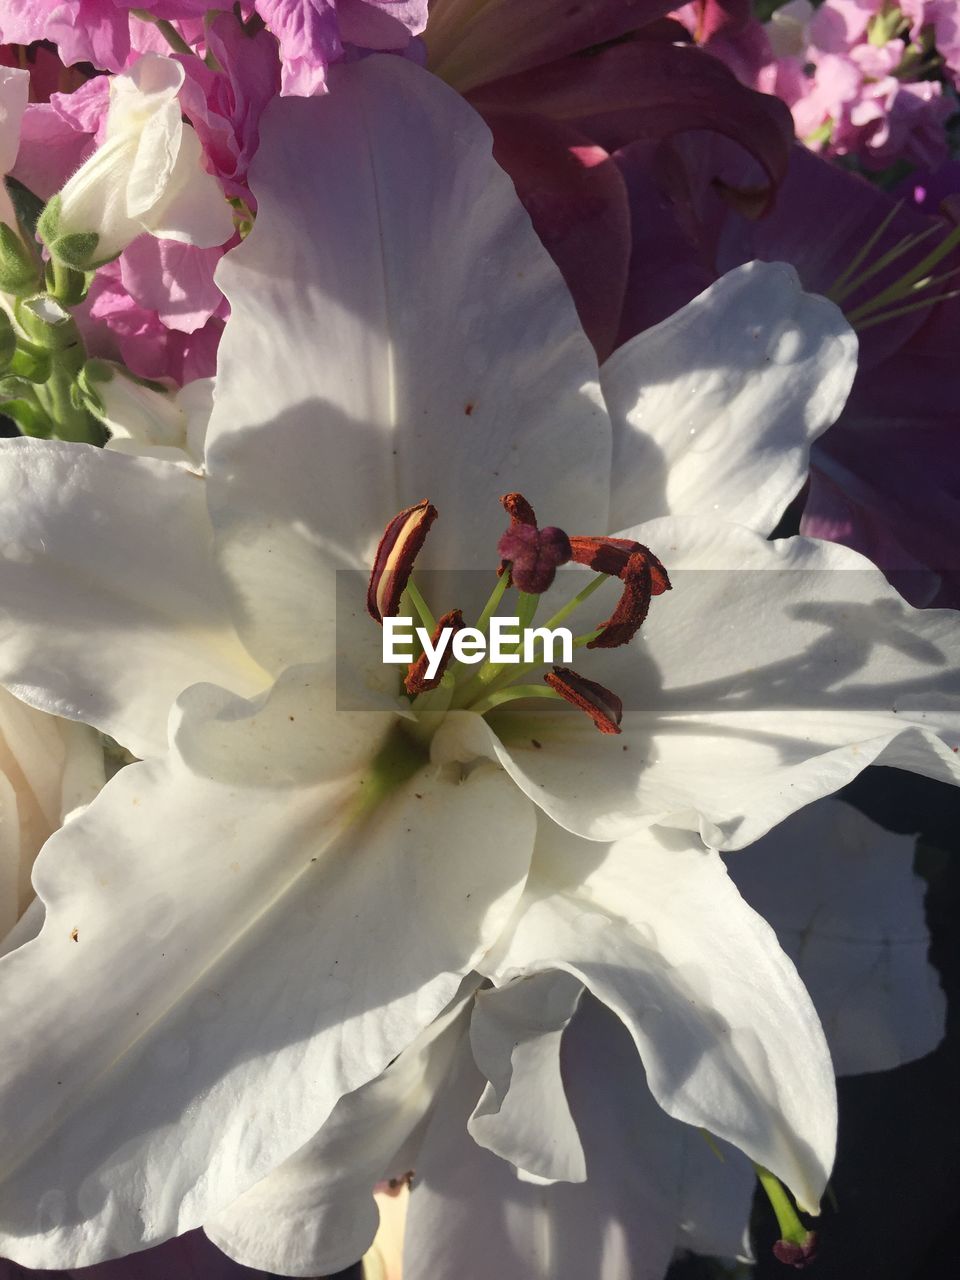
(70, 423)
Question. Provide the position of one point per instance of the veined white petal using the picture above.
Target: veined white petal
(771, 675)
(316, 1214)
(523, 1115)
(468, 1213)
(715, 408)
(730, 1041)
(248, 948)
(411, 340)
(848, 909)
(109, 598)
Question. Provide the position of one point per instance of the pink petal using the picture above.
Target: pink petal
(174, 280)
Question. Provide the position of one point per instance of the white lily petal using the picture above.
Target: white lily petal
(771, 675)
(523, 1115)
(48, 767)
(729, 1039)
(848, 909)
(419, 338)
(717, 1187)
(715, 408)
(110, 600)
(316, 1213)
(469, 1215)
(157, 137)
(257, 954)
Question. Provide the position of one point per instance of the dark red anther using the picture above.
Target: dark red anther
(393, 563)
(603, 707)
(797, 1255)
(534, 555)
(612, 555)
(416, 680)
(643, 577)
(518, 509)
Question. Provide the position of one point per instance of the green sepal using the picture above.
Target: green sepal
(48, 222)
(30, 365)
(19, 268)
(8, 341)
(77, 250)
(28, 416)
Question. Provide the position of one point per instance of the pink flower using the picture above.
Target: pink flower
(95, 31)
(115, 326)
(845, 70)
(311, 33)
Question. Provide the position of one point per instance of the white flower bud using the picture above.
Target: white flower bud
(788, 29)
(149, 419)
(14, 86)
(147, 176)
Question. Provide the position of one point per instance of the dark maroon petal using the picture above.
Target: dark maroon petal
(649, 90)
(577, 201)
(503, 39)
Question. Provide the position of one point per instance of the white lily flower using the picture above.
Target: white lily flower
(147, 176)
(48, 769)
(287, 891)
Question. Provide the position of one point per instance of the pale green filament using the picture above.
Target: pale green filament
(791, 1228)
(495, 683)
(421, 606)
(913, 291)
(512, 693)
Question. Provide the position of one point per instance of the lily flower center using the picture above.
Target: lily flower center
(437, 680)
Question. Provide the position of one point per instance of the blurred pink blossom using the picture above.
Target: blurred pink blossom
(855, 73)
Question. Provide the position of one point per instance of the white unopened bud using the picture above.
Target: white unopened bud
(148, 419)
(147, 176)
(14, 86)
